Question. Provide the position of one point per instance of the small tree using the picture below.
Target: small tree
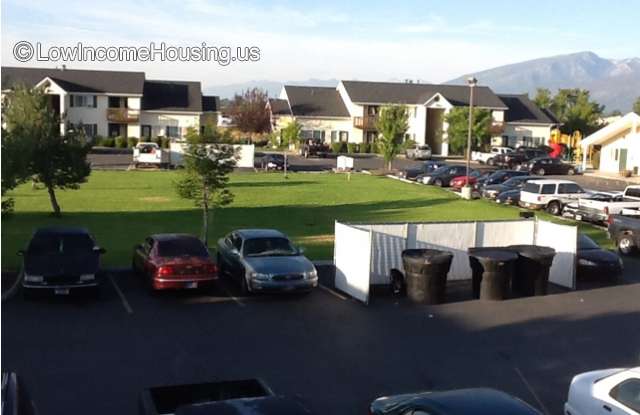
(458, 130)
(636, 106)
(576, 111)
(56, 161)
(249, 111)
(543, 98)
(291, 133)
(392, 124)
(205, 177)
(14, 167)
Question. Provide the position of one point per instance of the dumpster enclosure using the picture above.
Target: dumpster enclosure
(365, 253)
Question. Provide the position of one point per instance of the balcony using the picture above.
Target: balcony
(496, 129)
(123, 115)
(367, 122)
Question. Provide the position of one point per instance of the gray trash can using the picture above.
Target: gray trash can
(426, 274)
(492, 269)
(531, 275)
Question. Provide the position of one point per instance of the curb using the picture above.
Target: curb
(14, 288)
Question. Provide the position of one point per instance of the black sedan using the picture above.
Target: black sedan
(498, 177)
(416, 172)
(61, 259)
(548, 165)
(442, 177)
(509, 197)
(478, 401)
(595, 263)
(273, 161)
(493, 190)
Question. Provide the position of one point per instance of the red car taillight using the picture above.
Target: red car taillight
(211, 269)
(610, 220)
(165, 270)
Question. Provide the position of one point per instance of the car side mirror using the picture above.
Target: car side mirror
(20, 252)
(99, 250)
(300, 250)
(235, 252)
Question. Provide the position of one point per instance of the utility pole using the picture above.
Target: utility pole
(466, 190)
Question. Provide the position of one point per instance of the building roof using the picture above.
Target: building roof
(523, 110)
(629, 122)
(315, 101)
(414, 94)
(76, 80)
(279, 106)
(172, 96)
(210, 103)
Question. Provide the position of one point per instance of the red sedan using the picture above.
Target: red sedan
(174, 261)
(459, 182)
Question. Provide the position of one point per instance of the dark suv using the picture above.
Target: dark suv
(548, 165)
(521, 155)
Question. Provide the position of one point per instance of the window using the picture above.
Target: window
(633, 192)
(344, 136)
(548, 189)
(415, 112)
(616, 155)
(172, 131)
(372, 110)
(318, 134)
(628, 393)
(370, 137)
(531, 188)
(117, 102)
(90, 130)
(567, 188)
(334, 136)
(87, 101)
(306, 134)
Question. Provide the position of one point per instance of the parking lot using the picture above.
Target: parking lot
(95, 356)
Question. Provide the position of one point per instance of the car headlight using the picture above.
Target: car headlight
(259, 276)
(426, 180)
(310, 275)
(87, 277)
(586, 262)
(33, 278)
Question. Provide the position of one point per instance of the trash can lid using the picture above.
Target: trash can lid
(493, 254)
(534, 251)
(426, 256)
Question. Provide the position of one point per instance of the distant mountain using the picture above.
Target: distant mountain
(272, 87)
(614, 83)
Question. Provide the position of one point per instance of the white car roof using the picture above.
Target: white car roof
(550, 181)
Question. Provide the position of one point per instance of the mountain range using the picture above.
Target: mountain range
(614, 83)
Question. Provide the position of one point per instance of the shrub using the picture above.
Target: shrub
(338, 147)
(407, 144)
(352, 148)
(157, 140)
(107, 142)
(121, 142)
(374, 148)
(365, 148)
(165, 142)
(97, 140)
(131, 142)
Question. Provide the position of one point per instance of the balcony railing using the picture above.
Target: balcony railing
(123, 115)
(496, 128)
(368, 122)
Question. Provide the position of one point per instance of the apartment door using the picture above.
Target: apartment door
(622, 160)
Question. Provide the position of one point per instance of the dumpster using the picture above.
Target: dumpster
(492, 269)
(426, 274)
(531, 275)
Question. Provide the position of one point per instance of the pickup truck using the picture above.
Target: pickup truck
(150, 154)
(490, 157)
(240, 397)
(598, 207)
(625, 232)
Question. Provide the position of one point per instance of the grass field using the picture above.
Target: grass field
(121, 208)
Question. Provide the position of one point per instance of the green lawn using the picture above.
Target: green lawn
(120, 208)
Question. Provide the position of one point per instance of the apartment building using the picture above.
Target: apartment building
(118, 103)
(350, 111)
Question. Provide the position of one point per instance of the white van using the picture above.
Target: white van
(548, 194)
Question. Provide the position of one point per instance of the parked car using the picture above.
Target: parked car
(519, 156)
(273, 161)
(499, 176)
(547, 165)
(609, 391)
(429, 167)
(598, 207)
(150, 154)
(596, 263)
(479, 401)
(174, 261)
(509, 197)
(459, 182)
(419, 152)
(15, 396)
(489, 157)
(492, 191)
(265, 260)
(624, 230)
(61, 260)
(548, 194)
(415, 172)
(314, 147)
(442, 176)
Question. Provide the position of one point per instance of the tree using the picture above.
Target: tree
(56, 161)
(543, 98)
(636, 106)
(575, 110)
(458, 130)
(14, 167)
(392, 124)
(291, 133)
(249, 111)
(205, 177)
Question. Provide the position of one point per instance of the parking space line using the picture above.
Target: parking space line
(332, 292)
(233, 297)
(533, 392)
(125, 303)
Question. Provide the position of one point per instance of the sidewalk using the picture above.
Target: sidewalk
(611, 177)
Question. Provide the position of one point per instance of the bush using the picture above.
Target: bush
(338, 147)
(374, 148)
(97, 140)
(365, 148)
(131, 142)
(165, 142)
(107, 142)
(121, 142)
(352, 148)
(157, 140)
(407, 144)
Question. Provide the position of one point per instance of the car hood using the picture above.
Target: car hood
(496, 188)
(598, 255)
(50, 265)
(279, 264)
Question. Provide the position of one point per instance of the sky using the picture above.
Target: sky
(430, 41)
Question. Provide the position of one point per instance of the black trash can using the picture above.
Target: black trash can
(426, 274)
(492, 269)
(531, 275)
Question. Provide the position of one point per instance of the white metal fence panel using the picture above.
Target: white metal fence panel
(454, 237)
(564, 239)
(504, 233)
(386, 254)
(352, 259)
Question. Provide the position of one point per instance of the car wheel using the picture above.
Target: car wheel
(540, 172)
(625, 245)
(554, 208)
(571, 172)
(491, 162)
(438, 182)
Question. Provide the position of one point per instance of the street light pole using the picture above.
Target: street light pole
(467, 187)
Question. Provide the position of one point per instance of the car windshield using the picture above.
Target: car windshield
(584, 242)
(268, 247)
(60, 244)
(443, 169)
(514, 181)
(182, 247)
(423, 147)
